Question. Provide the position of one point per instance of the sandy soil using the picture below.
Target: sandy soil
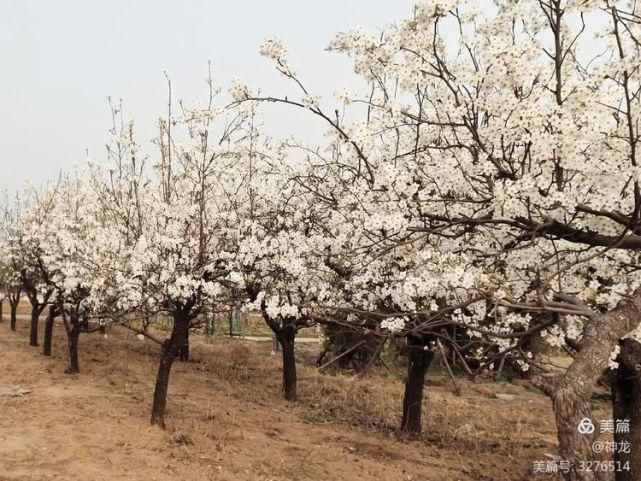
(226, 420)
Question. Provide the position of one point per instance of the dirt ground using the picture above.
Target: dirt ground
(226, 420)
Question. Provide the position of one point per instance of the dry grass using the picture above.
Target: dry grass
(476, 423)
(227, 403)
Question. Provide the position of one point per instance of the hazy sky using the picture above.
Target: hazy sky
(61, 59)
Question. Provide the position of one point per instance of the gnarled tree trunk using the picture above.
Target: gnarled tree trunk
(46, 350)
(14, 315)
(419, 360)
(571, 392)
(14, 300)
(33, 332)
(286, 337)
(72, 342)
(183, 353)
(626, 405)
(73, 326)
(36, 309)
(168, 353)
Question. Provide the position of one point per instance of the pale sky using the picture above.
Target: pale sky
(61, 59)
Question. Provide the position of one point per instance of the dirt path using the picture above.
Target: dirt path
(226, 407)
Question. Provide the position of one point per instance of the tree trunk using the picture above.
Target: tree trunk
(168, 353)
(72, 342)
(285, 334)
(14, 314)
(33, 335)
(184, 350)
(626, 404)
(48, 332)
(1, 303)
(571, 392)
(571, 407)
(286, 337)
(419, 360)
